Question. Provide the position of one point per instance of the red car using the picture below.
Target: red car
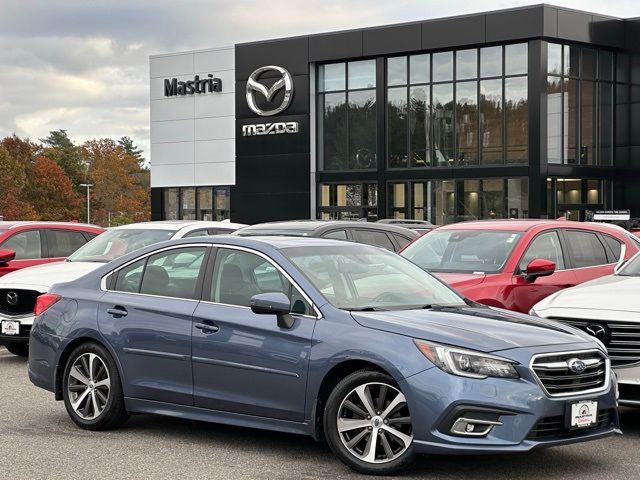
(24, 244)
(513, 264)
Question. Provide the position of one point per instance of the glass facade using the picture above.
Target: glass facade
(348, 201)
(191, 203)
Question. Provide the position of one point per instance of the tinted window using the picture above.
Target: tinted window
(586, 249)
(25, 244)
(402, 241)
(238, 276)
(545, 246)
(129, 277)
(173, 273)
(373, 237)
(63, 243)
(472, 251)
(337, 234)
(197, 233)
(614, 245)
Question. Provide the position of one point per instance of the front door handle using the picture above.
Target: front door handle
(117, 311)
(207, 327)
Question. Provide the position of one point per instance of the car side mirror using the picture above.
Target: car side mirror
(274, 303)
(539, 267)
(6, 256)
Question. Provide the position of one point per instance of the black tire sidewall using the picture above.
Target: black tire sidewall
(334, 401)
(115, 402)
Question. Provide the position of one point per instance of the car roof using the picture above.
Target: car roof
(176, 225)
(311, 226)
(512, 225)
(9, 224)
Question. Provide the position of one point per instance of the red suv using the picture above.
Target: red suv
(514, 264)
(24, 244)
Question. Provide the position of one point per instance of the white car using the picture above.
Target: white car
(21, 289)
(607, 308)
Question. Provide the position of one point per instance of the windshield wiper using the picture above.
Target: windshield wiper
(366, 309)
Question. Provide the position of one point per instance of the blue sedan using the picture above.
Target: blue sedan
(340, 341)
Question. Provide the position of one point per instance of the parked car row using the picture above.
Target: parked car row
(383, 356)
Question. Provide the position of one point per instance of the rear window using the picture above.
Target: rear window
(586, 249)
(63, 243)
(373, 237)
(464, 251)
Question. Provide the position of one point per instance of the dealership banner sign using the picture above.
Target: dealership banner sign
(604, 215)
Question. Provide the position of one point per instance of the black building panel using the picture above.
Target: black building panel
(607, 31)
(257, 208)
(515, 24)
(273, 144)
(156, 204)
(291, 173)
(632, 35)
(394, 39)
(453, 32)
(299, 104)
(292, 54)
(574, 26)
(335, 46)
(550, 18)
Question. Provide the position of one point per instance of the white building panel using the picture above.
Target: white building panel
(172, 109)
(215, 128)
(173, 175)
(172, 153)
(172, 131)
(224, 173)
(171, 65)
(217, 59)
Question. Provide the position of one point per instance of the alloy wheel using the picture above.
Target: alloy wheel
(374, 423)
(89, 386)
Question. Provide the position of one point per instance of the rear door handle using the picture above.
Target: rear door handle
(117, 311)
(207, 327)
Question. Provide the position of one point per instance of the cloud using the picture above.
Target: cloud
(83, 65)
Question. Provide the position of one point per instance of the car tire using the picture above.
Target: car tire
(92, 389)
(389, 431)
(19, 349)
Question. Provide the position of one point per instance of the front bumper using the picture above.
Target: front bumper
(629, 384)
(529, 418)
(26, 322)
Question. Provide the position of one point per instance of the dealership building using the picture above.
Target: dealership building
(522, 113)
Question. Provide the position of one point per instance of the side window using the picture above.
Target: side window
(197, 233)
(614, 245)
(545, 246)
(26, 245)
(173, 273)
(220, 231)
(373, 237)
(238, 276)
(336, 234)
(586, 249)
(402, 241)
(129, 277)
(63, 243)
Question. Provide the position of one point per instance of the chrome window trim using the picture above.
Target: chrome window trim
(582, 393)
(103, 280)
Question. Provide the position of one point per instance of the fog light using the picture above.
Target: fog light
(473, 427)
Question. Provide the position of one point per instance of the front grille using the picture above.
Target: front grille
(16, 301)
(552, 428)
(622, 339)
(558, 379)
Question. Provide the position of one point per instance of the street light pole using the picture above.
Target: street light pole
(88, 185)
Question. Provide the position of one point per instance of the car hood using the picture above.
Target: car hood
(613, 293)
(460, 281)
(477, 328)
(42, 277)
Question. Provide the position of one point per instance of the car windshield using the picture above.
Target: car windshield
(115, 243)
(632, 268)
(464, 251)
(367, 278)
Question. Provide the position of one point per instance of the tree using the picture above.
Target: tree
(129, 147)
(117, 189)
(23, 151)
(12, 184)
(59, 147)
(51, 192)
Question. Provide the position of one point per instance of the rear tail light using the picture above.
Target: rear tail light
(44, 302)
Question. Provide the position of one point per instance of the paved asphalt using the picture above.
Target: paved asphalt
(39, 441)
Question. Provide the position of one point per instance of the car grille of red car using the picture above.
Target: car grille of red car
(622, 339)
(15, 302)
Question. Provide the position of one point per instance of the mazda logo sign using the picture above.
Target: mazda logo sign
(576, 365)
(600, 331)
(254, 86)
(12, 299)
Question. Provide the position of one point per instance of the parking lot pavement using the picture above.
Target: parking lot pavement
(39, 441)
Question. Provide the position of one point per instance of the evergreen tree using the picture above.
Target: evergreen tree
(59, 148)
(128, 146)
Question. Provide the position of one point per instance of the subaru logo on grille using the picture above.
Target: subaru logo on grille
(576, 365)
(600, 331)
(12, 298)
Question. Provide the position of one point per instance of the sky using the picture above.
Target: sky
(83, 65)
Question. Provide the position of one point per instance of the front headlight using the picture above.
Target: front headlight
(466, 363)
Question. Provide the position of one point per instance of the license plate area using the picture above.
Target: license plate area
(10, 327)
(582, 414)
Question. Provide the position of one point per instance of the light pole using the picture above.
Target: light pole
(88, 185)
